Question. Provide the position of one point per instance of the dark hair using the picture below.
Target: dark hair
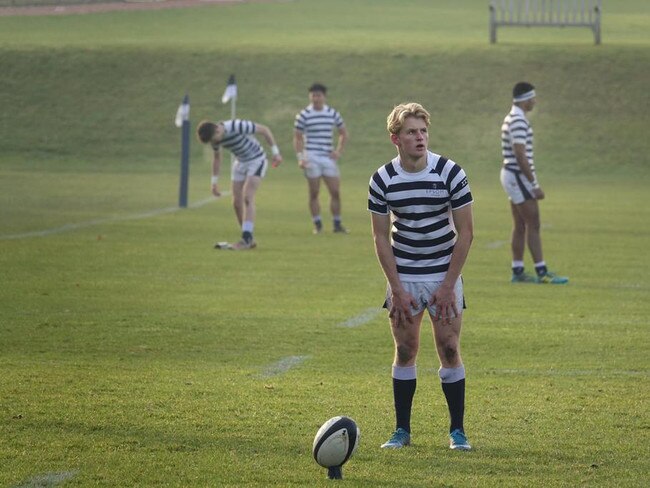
(205, 131)
(521, 88)
(318, 87)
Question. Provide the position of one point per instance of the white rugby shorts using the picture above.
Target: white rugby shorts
(254, 167)
(321, 166)
(516, 186)
(423, 291)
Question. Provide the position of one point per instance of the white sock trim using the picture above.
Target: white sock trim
(404, 372)
(452, 375)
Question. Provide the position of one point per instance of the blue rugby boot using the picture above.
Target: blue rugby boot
(458, 441)
(522, 278)
(400, 438)
(551, 278)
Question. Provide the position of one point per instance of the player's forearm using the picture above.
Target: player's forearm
(267, 135)
(387, 261)
(458, 258)
(216, 165)
(522, 161)
(298, 144)
(464, 224)
(343, 139)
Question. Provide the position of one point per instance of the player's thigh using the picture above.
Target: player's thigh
(407, 336)
(333, 184)
(528, 210)
(516, 186)
(517, 219)
(314, 186)
(251, 185)
(237, 189)
(313, 170)
(447, 339)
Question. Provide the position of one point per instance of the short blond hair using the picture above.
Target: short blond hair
(400, 113)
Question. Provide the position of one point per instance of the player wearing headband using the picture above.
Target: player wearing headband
(519, 181)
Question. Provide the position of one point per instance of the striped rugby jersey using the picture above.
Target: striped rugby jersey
(423, 234)
(516, 129)
(317, 127)
(239, 139)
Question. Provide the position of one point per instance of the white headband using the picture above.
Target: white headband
(524, 96)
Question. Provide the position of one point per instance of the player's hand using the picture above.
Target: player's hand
(335, 155)
(277, 159)
(538, 193)
(400, 309)
(215, 190)
(302, 163)
(444, 299)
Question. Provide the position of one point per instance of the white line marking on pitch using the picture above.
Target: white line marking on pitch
(495, 244)
(363, 318)
(91, 223)
(48, 479)
(283, 365)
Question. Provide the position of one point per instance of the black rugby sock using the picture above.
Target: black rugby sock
(403, 392)
(455, 395)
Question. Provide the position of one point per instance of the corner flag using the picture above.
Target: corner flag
(182, 121)
(183, 112)
(231, 90)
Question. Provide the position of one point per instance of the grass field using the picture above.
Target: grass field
(133, 354)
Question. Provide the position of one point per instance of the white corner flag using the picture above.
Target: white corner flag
(231, 90)
(183, 112)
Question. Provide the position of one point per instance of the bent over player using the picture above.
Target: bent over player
(519, 181)
(422, 225)
(249, 167)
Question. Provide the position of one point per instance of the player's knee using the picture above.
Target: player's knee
(249, 199)
(535, 225)
(450, 353)
(406, 352)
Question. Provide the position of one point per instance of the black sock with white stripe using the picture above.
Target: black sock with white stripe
(540, 268)
(404, 385)
(453, 386)
(517, 267)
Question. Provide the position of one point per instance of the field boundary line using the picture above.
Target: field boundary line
(361, 319)
(282, 366)
(48, 479)
(94, 8)
(108, 220)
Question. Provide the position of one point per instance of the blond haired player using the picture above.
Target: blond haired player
(422, 225)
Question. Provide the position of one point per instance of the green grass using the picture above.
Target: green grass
(133, 354)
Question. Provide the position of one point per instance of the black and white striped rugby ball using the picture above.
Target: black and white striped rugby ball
(336, 441)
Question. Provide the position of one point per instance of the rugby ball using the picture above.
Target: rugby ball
(336, 441)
